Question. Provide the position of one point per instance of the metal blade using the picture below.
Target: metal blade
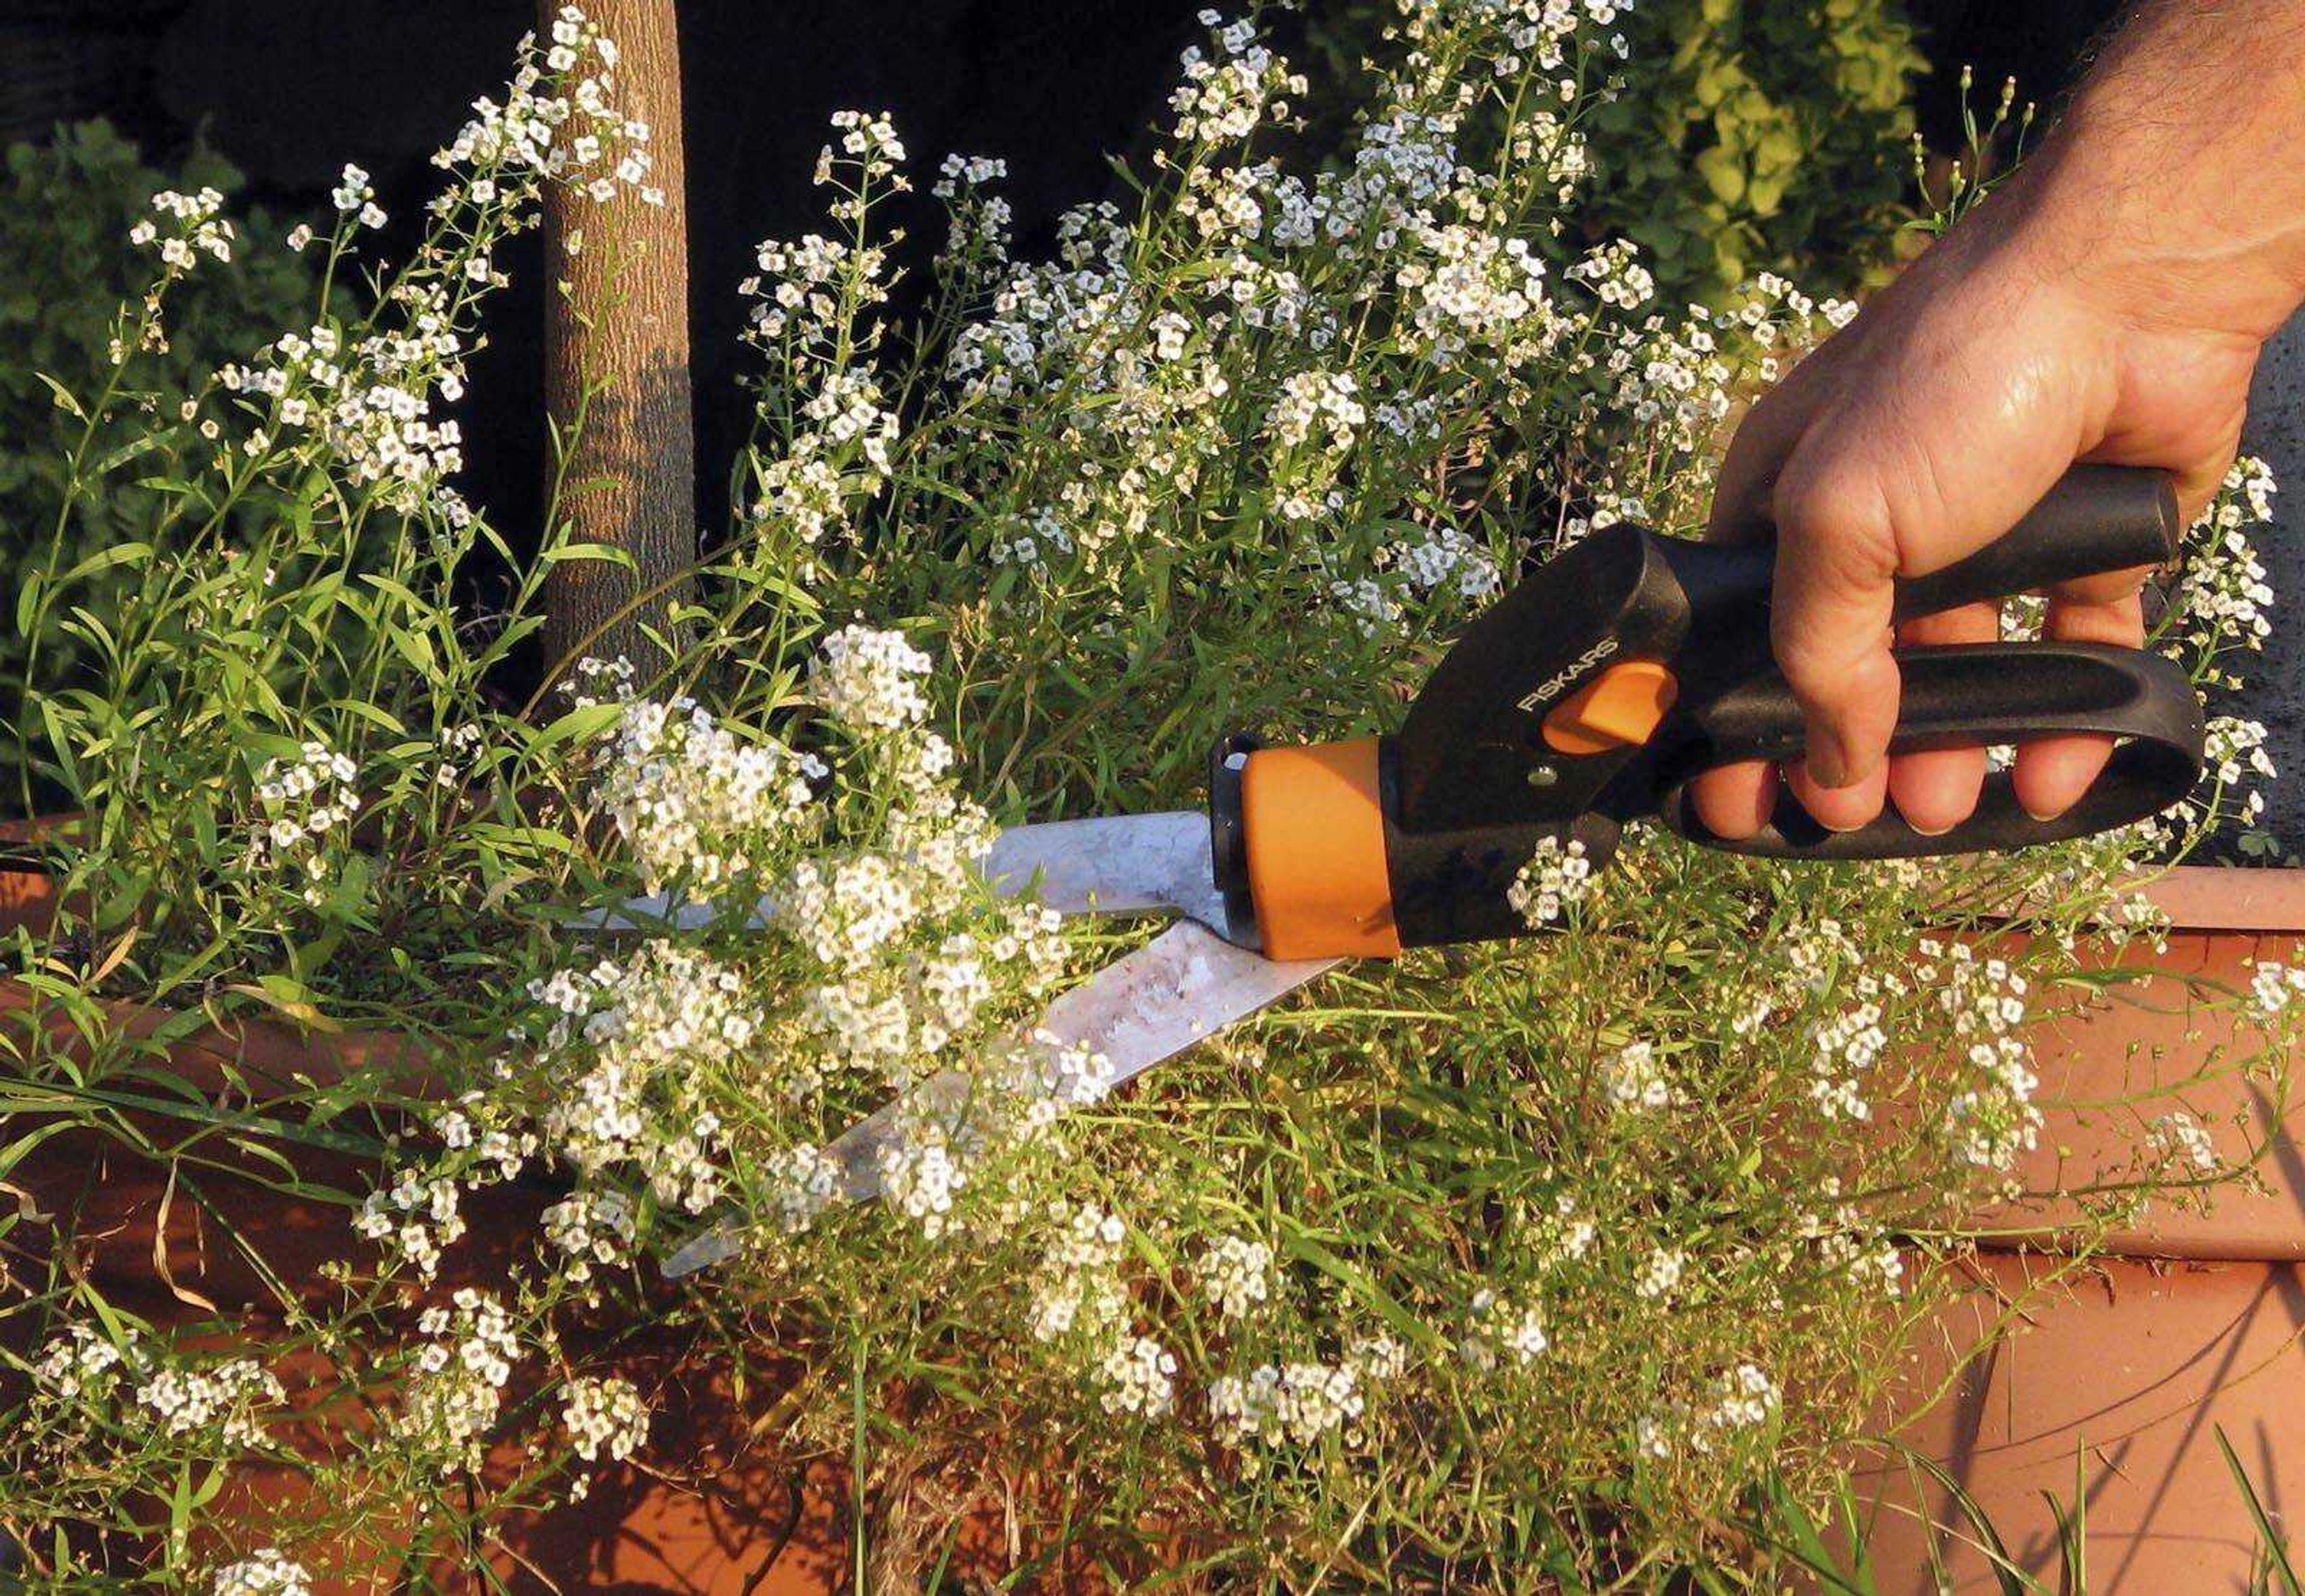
(1113, 864)
(1181, 988)
(1110, 864)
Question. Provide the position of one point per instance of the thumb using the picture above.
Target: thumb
(1837, 562)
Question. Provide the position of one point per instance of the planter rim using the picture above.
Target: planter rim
(2221, 897)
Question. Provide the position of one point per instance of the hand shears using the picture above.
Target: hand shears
(1587, 697)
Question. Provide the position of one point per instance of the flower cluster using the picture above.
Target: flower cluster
(266, 1572)
(456, 1382)
(196, 229)
(2274, 990)
(623, 1059)
(2222, 591)
(142, 1386)
(1635, 1078)
(1739, 1401)
(1555, 880)
(1497, 1331)
(605, 1418)
(1237, 1274)
(308, 804)
(1992, 1120)
(694, 803)
(1297, 1404)
(871, 679)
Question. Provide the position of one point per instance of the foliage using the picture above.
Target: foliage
(65, 267)
(1744, 137)
(1518, 1262)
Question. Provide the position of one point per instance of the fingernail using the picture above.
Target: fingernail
(2043, 815)
(1931, 831)
(1831, 764)
(1828, 763)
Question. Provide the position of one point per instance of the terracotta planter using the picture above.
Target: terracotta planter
(2129, 1367)
(716, 1511)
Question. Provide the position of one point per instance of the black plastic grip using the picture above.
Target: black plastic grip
(2096, 519)
(1970, 695)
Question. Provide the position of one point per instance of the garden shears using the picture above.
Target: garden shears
(1588, 698)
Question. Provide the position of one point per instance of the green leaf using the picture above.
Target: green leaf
(1301, 1246)
(2271, 1543)
(106, 559)
(65, 401)
(608, 553)
(576, 725)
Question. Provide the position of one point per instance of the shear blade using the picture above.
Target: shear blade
(1183, 986)
(1113, 864)
(1109, 864)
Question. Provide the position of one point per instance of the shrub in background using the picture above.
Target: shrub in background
(67, 266)
(1748, 135)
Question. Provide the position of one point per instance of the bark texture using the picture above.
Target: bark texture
(617, 324)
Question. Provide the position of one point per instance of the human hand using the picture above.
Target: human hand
(1923, 431)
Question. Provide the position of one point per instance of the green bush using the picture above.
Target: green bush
(65, 268)
(1748, 135)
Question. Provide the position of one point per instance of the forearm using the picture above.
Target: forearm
(2173, 186)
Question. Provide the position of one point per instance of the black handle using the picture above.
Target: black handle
(1965, 696)
(2096, 519)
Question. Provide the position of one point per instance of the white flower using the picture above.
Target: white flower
(1661, 1273)
(1076, 1287)
(1497, 1330)
(803, 1183)
(2274, 987)
(1317, 402)
(1139, 1377)
(1293, 1404)
(870, 679)
(455, 1390)
(1238, 1272)
(1557, 877)
(417, 1216)
(590, 1227)
(2181, 1139)
(696, 805)
(264, 1573)
(604, 1417)
(352, 191)
(1636, 1078)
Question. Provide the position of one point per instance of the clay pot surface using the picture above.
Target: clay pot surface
(2121, 1379)
(2130, 1366)
(2127, 1368)
(2106, 1071)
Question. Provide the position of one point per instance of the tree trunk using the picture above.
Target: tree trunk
(618, 325)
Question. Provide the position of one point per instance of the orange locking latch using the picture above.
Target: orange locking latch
(1617, 709)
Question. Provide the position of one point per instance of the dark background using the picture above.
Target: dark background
(290, 91)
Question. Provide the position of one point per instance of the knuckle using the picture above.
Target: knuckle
(1836, 522)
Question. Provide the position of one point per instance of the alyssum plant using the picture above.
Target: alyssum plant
(1506, 1266)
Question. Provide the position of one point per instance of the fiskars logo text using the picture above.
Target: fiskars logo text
(1553, 686)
